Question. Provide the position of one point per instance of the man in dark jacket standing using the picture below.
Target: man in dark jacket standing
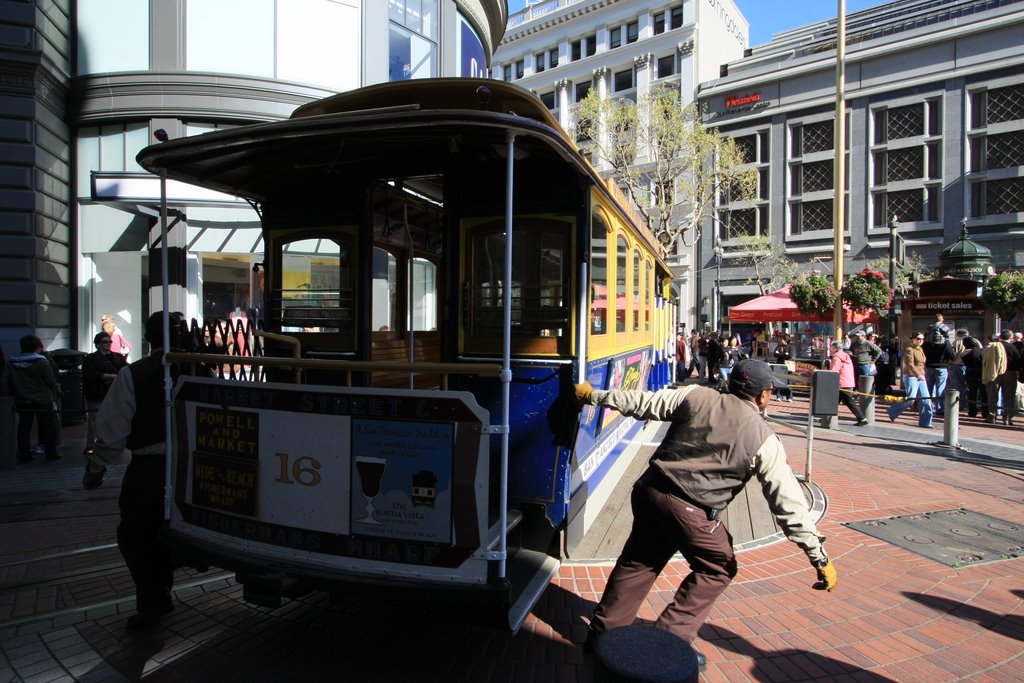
(99, 369)
(937, 357)
(30, 379)
(715, 444)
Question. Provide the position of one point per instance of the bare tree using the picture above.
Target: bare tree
(666, 160)
(914, 269)
(771, 267)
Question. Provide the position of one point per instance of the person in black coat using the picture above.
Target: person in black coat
(99, 369)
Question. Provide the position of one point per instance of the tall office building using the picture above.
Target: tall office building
(935, 137)
(87, 84)
(562, 49)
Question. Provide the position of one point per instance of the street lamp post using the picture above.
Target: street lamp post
(893, 225)
(718, 284)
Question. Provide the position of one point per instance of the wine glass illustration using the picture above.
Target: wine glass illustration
(371, 471)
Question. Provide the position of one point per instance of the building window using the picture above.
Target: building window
(538, 62)
(615, 38)
(109, 149)
(998, 151)
(591, 42)
(548, 99)
(738, 215)
(995, 197)
(811, 181)
(676, 14)
(906, 169)
(506, 72)
(576, 50)
(810, 216)
(998, 105)
(520, 69)
(552, 58)
(633, 32)
(581, 90)
(666, 66)
(623, 80)
(659, 23)
(112, 40)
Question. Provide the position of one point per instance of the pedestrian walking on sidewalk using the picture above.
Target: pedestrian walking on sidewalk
(914, 384)
(1007, 380)
(30, 379)
(842, 363)
(993, 367)
(716, 442)
(99, 369)
(132, 416)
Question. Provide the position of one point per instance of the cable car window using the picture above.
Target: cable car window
(636, 290)
(424, 295)
(539, 311)
(316, 291)
(621, 254)
(598, 277)
(384, 290)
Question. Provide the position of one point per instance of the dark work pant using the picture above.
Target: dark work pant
(663, 524)
(142, 513)
(976, 398)
(49, 428)
(847, 398)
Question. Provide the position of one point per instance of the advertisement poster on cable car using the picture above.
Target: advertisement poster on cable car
(402, 475)
(366, 474)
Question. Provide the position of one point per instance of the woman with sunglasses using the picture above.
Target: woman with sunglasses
(914, 383)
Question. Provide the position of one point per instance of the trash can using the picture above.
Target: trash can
(69, 376)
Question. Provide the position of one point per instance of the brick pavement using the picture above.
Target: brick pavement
(895, 616)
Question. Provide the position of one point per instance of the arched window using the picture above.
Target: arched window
(637, 274)
(598, 276)
(621, 255)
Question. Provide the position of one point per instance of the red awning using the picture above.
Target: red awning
(778, 307)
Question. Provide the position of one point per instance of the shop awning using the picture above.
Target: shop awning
(778, 307)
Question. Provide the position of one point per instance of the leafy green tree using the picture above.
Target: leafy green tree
(1004, 294)
(669, 164)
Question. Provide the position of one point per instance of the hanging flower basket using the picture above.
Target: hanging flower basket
(1004, 294)
(867, 290)
(813, 295)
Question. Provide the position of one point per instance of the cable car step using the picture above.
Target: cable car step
(512, 519)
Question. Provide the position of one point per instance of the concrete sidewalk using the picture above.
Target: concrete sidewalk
(896, 615)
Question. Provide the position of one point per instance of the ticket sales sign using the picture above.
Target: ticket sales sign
(367, 474)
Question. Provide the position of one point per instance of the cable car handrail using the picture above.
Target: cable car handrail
(349, 366)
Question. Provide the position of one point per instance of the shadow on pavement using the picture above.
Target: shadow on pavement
(792, 664)
(1008, 625)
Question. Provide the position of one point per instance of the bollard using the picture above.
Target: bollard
(643, 654)
(866, 385)
(951, 425)
(8, 442)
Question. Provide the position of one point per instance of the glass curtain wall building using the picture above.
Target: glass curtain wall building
(100, 77)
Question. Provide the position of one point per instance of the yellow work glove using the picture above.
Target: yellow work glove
(827, 575)
(583, 392)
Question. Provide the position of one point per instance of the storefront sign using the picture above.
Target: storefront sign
(734, 101)
(944, 305)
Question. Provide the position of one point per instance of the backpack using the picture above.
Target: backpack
(938, 333)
